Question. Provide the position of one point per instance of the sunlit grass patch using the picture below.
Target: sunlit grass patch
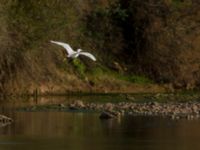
(136, 79)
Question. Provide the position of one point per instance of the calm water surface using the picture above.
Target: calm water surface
(85, 131)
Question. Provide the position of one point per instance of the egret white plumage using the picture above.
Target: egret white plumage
(72, 53)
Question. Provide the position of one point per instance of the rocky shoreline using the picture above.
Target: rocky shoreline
(174, 110)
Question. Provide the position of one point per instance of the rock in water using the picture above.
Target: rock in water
(109, 106)
(108, 115)
(4, 120)
(77, 105)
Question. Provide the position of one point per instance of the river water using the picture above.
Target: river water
(54, 130)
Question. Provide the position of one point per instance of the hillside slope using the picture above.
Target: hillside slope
(136, 43)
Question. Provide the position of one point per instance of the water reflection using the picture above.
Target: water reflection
(85, 131)
(64, 130)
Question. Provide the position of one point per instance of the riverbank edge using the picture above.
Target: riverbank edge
(130, 89)
(174, 110)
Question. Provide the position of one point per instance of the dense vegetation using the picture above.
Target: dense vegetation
(135, 41)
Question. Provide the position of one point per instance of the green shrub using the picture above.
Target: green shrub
(79, 66)
(181, 3)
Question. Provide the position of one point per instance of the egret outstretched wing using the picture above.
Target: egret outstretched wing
(88, 55)
(65, 45)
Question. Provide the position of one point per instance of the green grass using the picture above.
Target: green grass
(102, 72)
(136, 79)
(99, 71)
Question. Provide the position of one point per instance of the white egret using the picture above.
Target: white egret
(72, 53)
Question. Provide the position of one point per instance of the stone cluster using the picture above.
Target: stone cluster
(175, 110)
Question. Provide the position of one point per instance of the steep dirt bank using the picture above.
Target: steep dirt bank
(137, 44)
(167, 40)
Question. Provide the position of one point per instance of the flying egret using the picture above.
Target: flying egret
(72, 53)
